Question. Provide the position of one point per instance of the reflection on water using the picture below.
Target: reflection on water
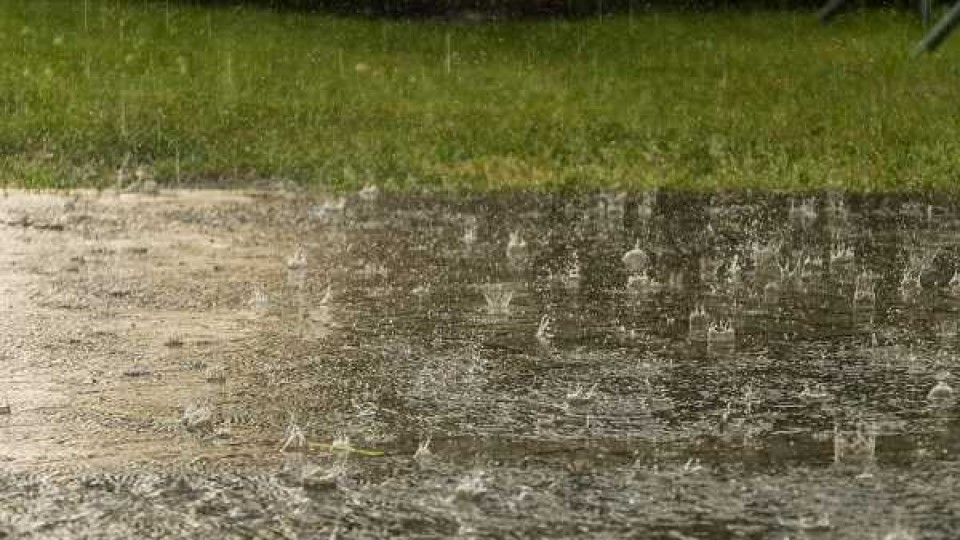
(671, 335)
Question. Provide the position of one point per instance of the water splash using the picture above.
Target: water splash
(215, 375)
(570, 276)
(841, 254)
(643, 283)
(645, 207)
(699, 324)
(859, 446)
(199, 415)
(423, 453)
(369, 193)
(721, 335)
(259, 300)
(579, 396)
(953, 286)
(545, 333)
(498, 297)
(636, 260)
(804, 213)
(469, 237)
(295, 440)
(942, 392)
(910, 286)
(329, 211)
(297, 261)
(517, 250)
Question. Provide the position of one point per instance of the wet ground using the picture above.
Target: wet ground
(657, 365)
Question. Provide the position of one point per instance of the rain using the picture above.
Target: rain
(510, 269)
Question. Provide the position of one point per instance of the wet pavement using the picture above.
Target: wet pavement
(651, 365)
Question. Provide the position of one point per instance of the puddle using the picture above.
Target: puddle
(657, 365)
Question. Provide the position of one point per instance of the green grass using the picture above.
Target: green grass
(719, 100)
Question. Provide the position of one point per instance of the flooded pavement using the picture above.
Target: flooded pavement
(658, 365)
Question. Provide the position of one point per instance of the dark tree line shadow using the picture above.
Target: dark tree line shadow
(526, 8)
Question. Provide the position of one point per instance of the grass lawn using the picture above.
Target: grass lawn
(717, 100)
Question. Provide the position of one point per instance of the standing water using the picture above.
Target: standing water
(652, 366)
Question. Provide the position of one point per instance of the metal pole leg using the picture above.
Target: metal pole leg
(935, 37)
(829, 10)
